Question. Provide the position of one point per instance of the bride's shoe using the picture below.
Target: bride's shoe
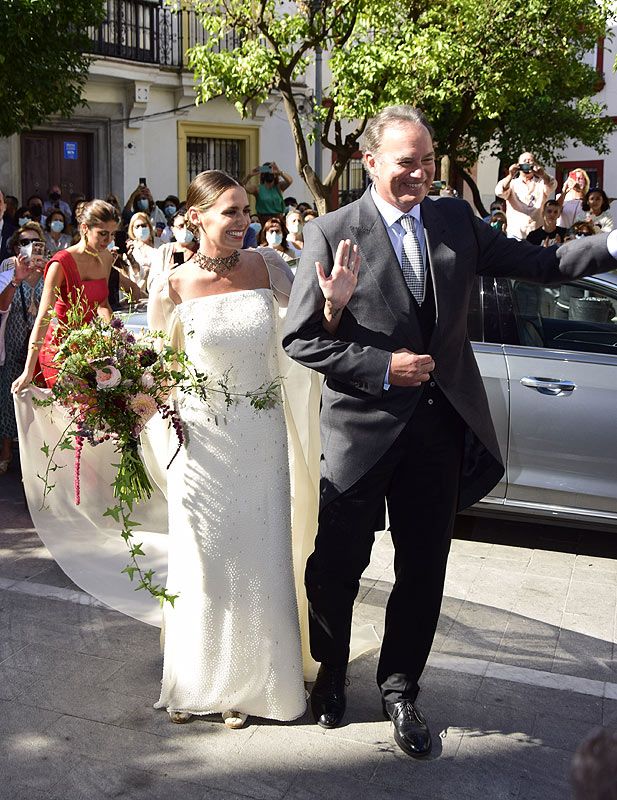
(234, 719)
(179, 717)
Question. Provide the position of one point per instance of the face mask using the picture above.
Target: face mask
(256, 226)
(294, 225)
(22, 221)
(169, 210)
(289, 209)
(57, 226)
(111, 245)
(274, 238)
(36, 211)
(183, 236)
(143, 234)
(25, 251)
(54, 196)
(143, 204)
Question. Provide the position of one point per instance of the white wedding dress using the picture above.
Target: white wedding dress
(232, 638)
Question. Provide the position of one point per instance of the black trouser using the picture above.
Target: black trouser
(419, 476)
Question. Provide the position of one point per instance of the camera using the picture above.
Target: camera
(526, 167)
(267, 167)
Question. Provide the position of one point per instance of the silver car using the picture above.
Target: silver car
(548, 357)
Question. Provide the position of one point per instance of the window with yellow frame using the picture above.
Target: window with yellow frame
(202, 146)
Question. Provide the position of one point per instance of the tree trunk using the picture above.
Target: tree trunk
(477, 199)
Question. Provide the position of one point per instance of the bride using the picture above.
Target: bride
(232, 641)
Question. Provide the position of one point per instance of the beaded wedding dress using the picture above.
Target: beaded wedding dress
(232, 638)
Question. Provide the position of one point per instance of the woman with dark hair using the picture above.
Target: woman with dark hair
(56, 237)
(232, 640)
(19, 302)
(597, 205)
(274, 234)
(78, 274)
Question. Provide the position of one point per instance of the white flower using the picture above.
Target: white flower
(108, 377)
(147, 380)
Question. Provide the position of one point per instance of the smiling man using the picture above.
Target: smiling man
(404, 413)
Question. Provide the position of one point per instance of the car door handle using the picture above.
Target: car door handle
(551, 386)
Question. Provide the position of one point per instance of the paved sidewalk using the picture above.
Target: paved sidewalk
(524, 665)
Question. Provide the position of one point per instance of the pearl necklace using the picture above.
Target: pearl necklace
(221, 266)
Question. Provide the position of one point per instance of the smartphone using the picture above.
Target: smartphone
(142, 182)
(178, 259)
(37, 258)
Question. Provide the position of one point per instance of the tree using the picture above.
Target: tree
(474, 66)
(43, 66)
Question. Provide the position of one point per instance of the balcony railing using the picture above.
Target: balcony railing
(148, 32)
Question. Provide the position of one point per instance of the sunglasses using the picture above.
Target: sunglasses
(26, 242)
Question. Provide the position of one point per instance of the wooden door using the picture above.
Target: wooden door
(52, 157)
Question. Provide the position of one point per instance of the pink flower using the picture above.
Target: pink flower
(143, 405)
(108, 377)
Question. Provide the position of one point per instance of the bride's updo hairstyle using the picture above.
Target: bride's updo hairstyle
(96, 213)
(204, 190)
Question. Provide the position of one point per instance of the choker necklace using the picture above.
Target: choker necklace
(216, 264)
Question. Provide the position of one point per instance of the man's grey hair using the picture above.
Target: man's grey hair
(392, 115)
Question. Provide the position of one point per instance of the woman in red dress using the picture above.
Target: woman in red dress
(78, 274)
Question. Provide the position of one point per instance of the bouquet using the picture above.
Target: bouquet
(110, 383)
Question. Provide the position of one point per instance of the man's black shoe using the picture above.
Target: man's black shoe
(328, 700)
(411, 732)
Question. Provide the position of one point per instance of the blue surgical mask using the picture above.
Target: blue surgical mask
(169, 210)
(256, 226)
(143, 204)
(57, 226)
(143, 234)
(274, 237)
(22, 221)
(111, 245)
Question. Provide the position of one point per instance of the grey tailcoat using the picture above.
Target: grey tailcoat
(359, 419)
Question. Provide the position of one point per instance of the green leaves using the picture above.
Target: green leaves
(54, 35)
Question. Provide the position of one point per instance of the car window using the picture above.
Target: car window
(574, 316)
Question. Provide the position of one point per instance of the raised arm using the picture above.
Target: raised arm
(306, 339)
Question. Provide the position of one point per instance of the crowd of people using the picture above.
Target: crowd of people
(525, 209)
(404, 417)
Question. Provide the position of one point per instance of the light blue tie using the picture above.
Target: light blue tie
(412, 263)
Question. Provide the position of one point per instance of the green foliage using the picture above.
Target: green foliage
(42, 63)
(478, 68)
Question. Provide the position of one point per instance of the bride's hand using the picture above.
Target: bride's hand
(338, 287)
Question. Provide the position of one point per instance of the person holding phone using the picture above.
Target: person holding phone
(269, 191)
(174, 253)
(22, 282)
(525, 189)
